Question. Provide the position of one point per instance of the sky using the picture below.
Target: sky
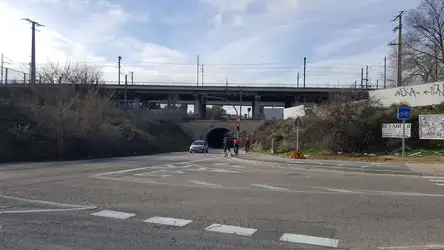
(243, 42)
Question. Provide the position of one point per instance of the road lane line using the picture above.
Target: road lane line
(221, 164)
(309, 240)
(42, 202)
(46, 210)
(168, 221)
(205, 183)
(355, 191)
(431, 246)
(434, 177)
(339, 190)
(223, 171)
(113, 214)
(227, 229)
(436, 181)
(143, 168)
(271, 187)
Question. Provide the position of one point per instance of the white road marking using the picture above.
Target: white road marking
(366, 166)
(271, 187)
(221, 164)
(113, 214)
(46, 210)
(165, 173)
(43, 202)
(434, 177)
(437, 180)
(355, 192)
(242, 231)
(224, 171)
(310, 240)
(143, 168)
(340, 165)
(168, 221)
(339, 190)
(235, 166)
(432, 246)
(205, 184)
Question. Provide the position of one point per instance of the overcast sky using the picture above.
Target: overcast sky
(246, 41)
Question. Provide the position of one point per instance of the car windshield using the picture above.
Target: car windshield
(198, 143)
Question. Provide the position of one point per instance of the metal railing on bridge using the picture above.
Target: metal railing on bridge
(11, 76)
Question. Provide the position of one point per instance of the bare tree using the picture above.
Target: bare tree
(68, 109)
(423, 43)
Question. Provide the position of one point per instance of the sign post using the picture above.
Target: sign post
(237, 127)
(297, 124)
(403, 114)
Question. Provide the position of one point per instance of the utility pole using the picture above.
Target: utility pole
(305, 69)
(362, 78)
(385, 72)
(202, 75)
(366, 77)
(197, 79)
(126, 92)
(132, 78)
(297, 81)
(34, 24)
(119, 58)
(1, 68)
(399, 48)
(240, 108)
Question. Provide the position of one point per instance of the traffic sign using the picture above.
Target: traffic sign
(404, 113)
(238, 120)
(297, 122)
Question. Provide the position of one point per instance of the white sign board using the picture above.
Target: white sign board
(394, 130)
(431, 127)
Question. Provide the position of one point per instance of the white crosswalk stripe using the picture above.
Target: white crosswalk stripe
(309, 240)
(437, 180)
(224, 229)
(168, 221)
(113, 214)
(227, 229)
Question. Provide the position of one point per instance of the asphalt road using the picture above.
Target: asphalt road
(205, 201)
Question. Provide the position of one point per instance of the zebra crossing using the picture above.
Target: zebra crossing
(437, 180)
(221, 228)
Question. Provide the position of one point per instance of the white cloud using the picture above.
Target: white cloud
(96, 31)
(230, 5)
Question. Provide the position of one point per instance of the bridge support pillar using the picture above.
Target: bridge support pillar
(136, 103)
(172, 101)
(199, 108)
(257, 115)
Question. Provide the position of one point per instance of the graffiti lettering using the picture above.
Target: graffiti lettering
(407, 91)
(435, 90)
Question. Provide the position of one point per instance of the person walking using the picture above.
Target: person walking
(247, 145)
(226, 146)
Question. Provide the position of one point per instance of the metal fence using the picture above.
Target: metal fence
(12, 76)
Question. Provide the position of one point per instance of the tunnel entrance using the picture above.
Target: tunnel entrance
(215, 137)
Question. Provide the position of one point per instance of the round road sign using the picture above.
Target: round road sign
(238, 120)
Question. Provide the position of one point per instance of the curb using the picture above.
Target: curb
(336, 168)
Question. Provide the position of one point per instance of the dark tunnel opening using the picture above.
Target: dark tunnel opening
(215, 137)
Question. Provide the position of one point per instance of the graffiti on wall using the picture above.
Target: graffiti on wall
(436, 89)
(431, 127)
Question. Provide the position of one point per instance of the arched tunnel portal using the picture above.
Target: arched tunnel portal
(215, 137)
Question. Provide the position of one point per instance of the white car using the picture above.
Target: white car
(199, 146)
